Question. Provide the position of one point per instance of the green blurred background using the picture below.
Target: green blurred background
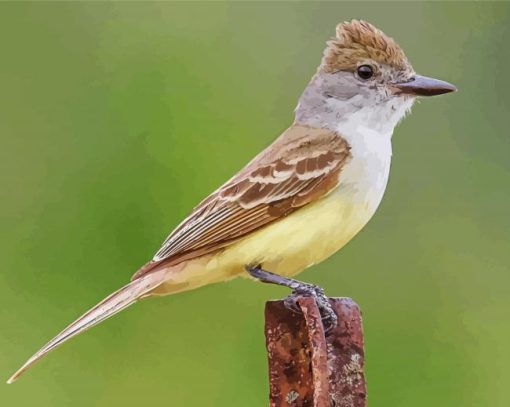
(117, 118)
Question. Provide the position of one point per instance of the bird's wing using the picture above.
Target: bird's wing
(301, 166)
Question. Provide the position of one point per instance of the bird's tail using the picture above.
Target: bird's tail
(112, 304)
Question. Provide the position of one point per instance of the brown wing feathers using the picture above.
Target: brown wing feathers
(302, 165)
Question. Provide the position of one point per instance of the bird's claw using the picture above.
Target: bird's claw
(329, 318)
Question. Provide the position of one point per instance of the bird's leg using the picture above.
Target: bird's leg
(299, 289)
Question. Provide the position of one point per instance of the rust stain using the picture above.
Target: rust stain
(309, 369)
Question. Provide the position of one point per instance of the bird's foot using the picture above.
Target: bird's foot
(299, 289)
(329, 318)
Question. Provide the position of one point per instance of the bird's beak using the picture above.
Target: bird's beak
(422, 86)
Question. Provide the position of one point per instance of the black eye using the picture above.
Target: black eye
(365, 72)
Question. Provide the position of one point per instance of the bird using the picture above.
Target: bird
(303, 197)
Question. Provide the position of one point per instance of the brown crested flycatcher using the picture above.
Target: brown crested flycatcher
(303, 197)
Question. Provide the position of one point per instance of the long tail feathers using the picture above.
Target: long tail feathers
(112, 304)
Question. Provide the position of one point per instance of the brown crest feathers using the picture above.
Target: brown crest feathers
(358, 41)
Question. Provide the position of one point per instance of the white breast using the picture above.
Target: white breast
(365, 177)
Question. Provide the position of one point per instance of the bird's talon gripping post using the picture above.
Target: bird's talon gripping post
(299, 289)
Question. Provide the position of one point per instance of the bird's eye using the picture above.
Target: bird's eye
(365, 72)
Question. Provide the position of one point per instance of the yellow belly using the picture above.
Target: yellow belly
(286, 247)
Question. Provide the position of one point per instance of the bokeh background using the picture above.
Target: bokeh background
(117, 118)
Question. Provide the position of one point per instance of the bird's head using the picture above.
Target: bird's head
(364, 69)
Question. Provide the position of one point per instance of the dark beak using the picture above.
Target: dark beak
(423, 86)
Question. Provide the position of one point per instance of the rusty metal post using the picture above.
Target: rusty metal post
(308, 368)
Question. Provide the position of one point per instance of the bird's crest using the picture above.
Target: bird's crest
(358, 41)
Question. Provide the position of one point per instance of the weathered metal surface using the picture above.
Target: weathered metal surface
(318, 350)
(309, 369)
(290, 373)
(346, 356)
